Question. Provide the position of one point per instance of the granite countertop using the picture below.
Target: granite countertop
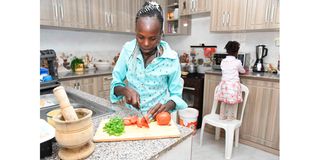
(135, 150)
(252, 75)
(87, 73)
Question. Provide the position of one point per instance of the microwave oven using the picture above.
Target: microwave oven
(218, 57)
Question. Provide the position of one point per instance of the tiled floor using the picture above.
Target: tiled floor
(214, 150)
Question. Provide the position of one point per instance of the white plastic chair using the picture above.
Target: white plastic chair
(230, 126)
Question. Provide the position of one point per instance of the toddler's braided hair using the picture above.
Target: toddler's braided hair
(232, 48)
(151, 9)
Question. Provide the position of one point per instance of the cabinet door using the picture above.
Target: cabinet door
(68, 13)
(96, 14)
(125, 12)
(219, 15)
(89, 85)
(274, 15)
(49, 13)
(71, 83)
(236, 15)
(185, 7)
(210, 83)
(261, 118)
(201, 6)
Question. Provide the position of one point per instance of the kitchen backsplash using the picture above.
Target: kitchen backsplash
(105, 46)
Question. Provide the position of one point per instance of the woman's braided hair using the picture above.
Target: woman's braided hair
(151, 9)
(232, 48)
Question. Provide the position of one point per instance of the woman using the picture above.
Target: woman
(150, 66)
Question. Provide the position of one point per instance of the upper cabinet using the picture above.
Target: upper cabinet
(189, 7)
(263, 14)
(102, 15)
(174, 22)
(63, 13)
(228, 15)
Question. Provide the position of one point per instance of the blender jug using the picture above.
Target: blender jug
(261, 51)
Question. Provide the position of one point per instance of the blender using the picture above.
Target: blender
(261, 52)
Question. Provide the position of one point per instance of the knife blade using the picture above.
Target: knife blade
(141, 115)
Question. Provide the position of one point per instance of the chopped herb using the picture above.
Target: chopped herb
(115, 126)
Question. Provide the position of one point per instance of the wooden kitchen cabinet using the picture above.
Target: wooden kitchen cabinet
(189, 7)
(260, 125)
(98, 86)
(263, 14)
(228, 15)
(63, 13)
(261, 118)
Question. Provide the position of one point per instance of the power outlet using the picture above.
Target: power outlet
(277, 42)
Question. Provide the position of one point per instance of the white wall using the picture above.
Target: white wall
(98, 44)
(106, 45)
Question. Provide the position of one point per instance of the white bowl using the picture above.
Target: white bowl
(102, 65)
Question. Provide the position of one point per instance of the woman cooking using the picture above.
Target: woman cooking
(150, 67)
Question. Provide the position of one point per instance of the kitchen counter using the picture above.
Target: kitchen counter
(135, 150)
(68, 75)
(252, 75)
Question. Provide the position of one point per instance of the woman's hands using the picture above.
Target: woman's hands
(158, 108)
(131, 96)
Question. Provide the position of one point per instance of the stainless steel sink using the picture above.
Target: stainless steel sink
(76, 102)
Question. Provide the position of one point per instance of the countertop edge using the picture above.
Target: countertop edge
(255, 76)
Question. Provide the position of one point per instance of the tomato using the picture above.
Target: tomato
(126, 122)
(144, 122)
(133, 119)
(139, 124)
(163, 118)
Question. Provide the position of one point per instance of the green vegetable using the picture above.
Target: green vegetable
(75, 62)
(115, 126)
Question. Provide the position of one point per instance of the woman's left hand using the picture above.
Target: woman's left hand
(158, 108)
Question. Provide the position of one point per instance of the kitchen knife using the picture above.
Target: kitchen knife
(141, 114)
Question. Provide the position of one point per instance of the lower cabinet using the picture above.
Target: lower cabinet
(260, 125)
(98, 86)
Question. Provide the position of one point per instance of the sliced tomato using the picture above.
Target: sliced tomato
(127, 122)
(144, 122)
(139, 124)
(134, 119)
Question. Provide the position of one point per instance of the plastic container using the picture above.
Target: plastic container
(188, 118)
(47, 134)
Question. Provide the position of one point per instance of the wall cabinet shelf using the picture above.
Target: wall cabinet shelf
(175, 24)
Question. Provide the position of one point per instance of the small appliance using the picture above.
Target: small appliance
(261, 52)
(218, 57)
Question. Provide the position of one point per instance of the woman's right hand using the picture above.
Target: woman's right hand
(132, 97)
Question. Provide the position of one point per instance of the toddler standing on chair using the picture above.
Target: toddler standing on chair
(229, 90)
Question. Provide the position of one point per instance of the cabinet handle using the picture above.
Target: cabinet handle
(223, 19)
(55, 11)
(272, 11)
(61, 11)
(228, 19)
(106, 22)
(266, 14)
(111, 19)
(189, 88)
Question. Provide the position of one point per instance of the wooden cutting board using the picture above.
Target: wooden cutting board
(135, 133)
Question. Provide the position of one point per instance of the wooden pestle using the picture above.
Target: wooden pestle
(67, 110)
